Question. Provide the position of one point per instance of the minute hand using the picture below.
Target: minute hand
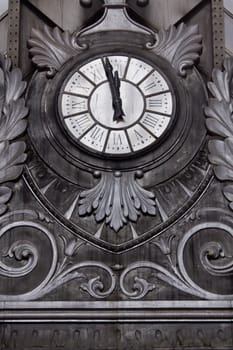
(114, 83)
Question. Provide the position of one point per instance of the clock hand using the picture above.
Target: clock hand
(114, 83)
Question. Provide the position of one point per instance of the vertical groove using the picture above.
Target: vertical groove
(218, 32)
(13, 31)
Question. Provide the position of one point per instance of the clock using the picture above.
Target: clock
(113, 125)
(117, 105)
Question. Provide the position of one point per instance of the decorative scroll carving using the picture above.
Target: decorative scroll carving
(51, 48)
(12, 125)
(214, 252)
(117, 198)
(25, 253)
(220, 123)
(176, 275)
(181, 46)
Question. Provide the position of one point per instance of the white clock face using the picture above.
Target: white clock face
(117, 105)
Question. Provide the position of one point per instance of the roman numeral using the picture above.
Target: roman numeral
(80, 106)
(150, 120)
(97, 134)
(117, 140)
(139, 136)
(155, 103)
(96, 75)
(150, 86)
(83, 120)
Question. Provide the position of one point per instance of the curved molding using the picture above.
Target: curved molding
(12, 124)
(181, 46)
(219, 122)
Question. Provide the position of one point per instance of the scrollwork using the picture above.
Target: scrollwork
(117, 198)
(176, 274)
(22, 251)
(180, 45)
(213, 252)
(60, 271)
(12, 124)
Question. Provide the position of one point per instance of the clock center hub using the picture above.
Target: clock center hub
(102, 108)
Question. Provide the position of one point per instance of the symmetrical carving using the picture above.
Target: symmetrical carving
(51, 48)
(12, 125)
(181, 46)
(212, 257)
(117, 198)
(220, 123)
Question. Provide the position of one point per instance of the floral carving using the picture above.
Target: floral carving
(220, 123)
(51, 48)
(12, 124)
(117, 198)
(180, 45)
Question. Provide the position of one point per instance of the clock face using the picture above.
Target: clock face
(117, 105)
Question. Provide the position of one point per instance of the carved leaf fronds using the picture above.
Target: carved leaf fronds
(117, 198)
(22, 251)
(220, 123)
(181, 46)
(12, 124)
(51, 48)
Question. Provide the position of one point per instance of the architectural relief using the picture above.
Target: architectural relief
(219, 122)
(117, 198)
(117, 216)
(12, 125)
(179, 45)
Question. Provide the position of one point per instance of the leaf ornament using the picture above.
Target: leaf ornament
(117, 198)
(181, 46)
(12, 124)
(51, 48)
(219, 122)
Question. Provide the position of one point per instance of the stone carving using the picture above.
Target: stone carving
(60, 272)
(214, 252)
(12, 125)
(219, 122)
(117, 198)
(176, 275)
(51, 48)
(181, 46)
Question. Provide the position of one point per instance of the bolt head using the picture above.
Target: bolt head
(142, 3)
(86, 3)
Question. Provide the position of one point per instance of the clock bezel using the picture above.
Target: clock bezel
(132, 153)
(68, 160)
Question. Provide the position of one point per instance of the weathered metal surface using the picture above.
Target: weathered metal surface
(159, 281)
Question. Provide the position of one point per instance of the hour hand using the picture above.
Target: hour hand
(114, 83)
(117, 103)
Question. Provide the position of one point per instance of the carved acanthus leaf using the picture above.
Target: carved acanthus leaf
(12, 124)
(181, 46)
(220, 122)
(51, 48)
(117, 198)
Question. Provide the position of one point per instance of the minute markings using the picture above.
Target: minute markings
(75, 114)
(75, 94)
(157, 93)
